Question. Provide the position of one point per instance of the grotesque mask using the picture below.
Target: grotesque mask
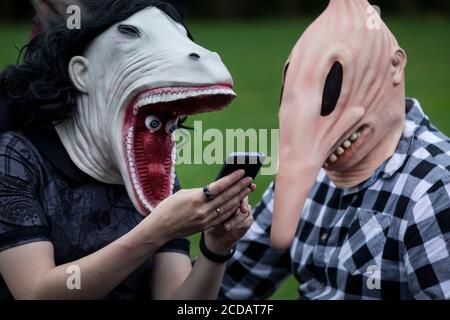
(342, 107)
(135, 81)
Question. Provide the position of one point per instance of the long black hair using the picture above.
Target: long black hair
(38, 90)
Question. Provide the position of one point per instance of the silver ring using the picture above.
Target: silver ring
(218, 212)
(208, 194)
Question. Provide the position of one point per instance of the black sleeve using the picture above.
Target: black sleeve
(177, 245)
(22, 219)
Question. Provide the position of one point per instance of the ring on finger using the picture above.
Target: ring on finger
(208, 194)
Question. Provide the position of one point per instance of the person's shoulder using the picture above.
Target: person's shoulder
(15, 145)
(432, 150)
(13, 139)
(429, 154)
(429, 165)
(431, 160)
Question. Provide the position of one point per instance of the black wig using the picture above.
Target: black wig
(38, 90)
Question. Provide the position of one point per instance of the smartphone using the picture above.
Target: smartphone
(251, 162)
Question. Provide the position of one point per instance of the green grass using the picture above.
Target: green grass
(255, 53)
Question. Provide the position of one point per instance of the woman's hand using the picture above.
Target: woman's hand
(188, 212)
(222, 238)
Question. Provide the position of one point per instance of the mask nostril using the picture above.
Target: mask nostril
(194, 56)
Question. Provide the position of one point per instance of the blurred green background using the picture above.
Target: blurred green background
(255, 51)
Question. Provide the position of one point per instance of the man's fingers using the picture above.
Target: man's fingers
(225, 183)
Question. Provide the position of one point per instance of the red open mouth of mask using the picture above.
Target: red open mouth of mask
(149, 146)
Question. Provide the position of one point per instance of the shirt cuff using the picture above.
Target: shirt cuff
(23, 236)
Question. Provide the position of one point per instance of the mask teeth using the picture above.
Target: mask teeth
(133, 170)
(343, 147)
(176, 94)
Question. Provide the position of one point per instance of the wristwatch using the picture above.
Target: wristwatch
(211, 255)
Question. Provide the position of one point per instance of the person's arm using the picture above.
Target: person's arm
(173, 277)
(30, 272)
(427, 245)
(181, 215)
(256, 270)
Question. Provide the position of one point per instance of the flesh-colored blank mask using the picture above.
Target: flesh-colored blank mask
(338, 76)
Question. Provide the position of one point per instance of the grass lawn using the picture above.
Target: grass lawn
(255, 53)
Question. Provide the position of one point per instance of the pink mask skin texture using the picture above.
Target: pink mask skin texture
(342, 107)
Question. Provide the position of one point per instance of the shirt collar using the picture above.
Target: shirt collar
(415, 118)
(47, 141)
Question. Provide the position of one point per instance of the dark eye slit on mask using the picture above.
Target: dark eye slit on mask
(332, 89)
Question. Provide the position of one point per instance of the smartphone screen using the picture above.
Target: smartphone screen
(251, 162)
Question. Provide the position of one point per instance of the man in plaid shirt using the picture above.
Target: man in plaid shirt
(360, 208)
(387, 238)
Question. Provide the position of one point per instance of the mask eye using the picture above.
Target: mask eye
(172, 126)
(286, 67)
(153, 123)
(129, 30)
(332, 89)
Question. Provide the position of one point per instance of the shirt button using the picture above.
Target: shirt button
(324, 237)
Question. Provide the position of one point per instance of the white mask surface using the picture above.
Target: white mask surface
(135, 80)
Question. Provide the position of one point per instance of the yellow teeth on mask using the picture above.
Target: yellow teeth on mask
(347, 144)
(341, 149)
(332, 158)
(355, 136)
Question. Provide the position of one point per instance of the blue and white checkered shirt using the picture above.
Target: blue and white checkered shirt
(388, 238)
